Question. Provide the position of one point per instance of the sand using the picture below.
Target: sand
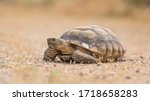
(23, 41)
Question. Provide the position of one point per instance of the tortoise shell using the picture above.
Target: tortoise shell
(97, 39)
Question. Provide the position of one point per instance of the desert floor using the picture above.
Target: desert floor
(23, 41)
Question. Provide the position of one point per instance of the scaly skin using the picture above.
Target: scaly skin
(50, 54)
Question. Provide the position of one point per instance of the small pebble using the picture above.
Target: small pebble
(142, 57)
(137, 71)
(128, 77)
(131, 59)
(54, 65)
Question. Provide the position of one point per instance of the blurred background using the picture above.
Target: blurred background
(96, 8)
(26, 24)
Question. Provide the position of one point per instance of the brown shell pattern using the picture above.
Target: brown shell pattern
(97, 39)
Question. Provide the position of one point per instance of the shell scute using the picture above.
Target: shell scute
(96, 39)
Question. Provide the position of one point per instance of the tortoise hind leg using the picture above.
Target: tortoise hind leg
(80, 57)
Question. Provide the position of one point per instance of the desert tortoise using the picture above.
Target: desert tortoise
(85, 44)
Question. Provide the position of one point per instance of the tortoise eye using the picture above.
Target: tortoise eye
(53, 39)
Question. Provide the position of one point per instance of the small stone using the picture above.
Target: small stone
(54, 65)
(137, 71)
(131, 59)
(142, 57)
(128, 77)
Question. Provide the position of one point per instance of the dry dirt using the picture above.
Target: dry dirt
(23, 40)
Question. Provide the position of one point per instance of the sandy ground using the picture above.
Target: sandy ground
(23, 41)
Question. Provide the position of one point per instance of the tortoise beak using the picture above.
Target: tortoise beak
(50, 40)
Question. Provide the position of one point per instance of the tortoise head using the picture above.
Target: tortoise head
(54, 42)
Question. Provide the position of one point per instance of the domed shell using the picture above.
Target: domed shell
(95, 38)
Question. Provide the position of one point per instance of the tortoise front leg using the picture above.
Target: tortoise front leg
(80, 57)
(50, 54)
